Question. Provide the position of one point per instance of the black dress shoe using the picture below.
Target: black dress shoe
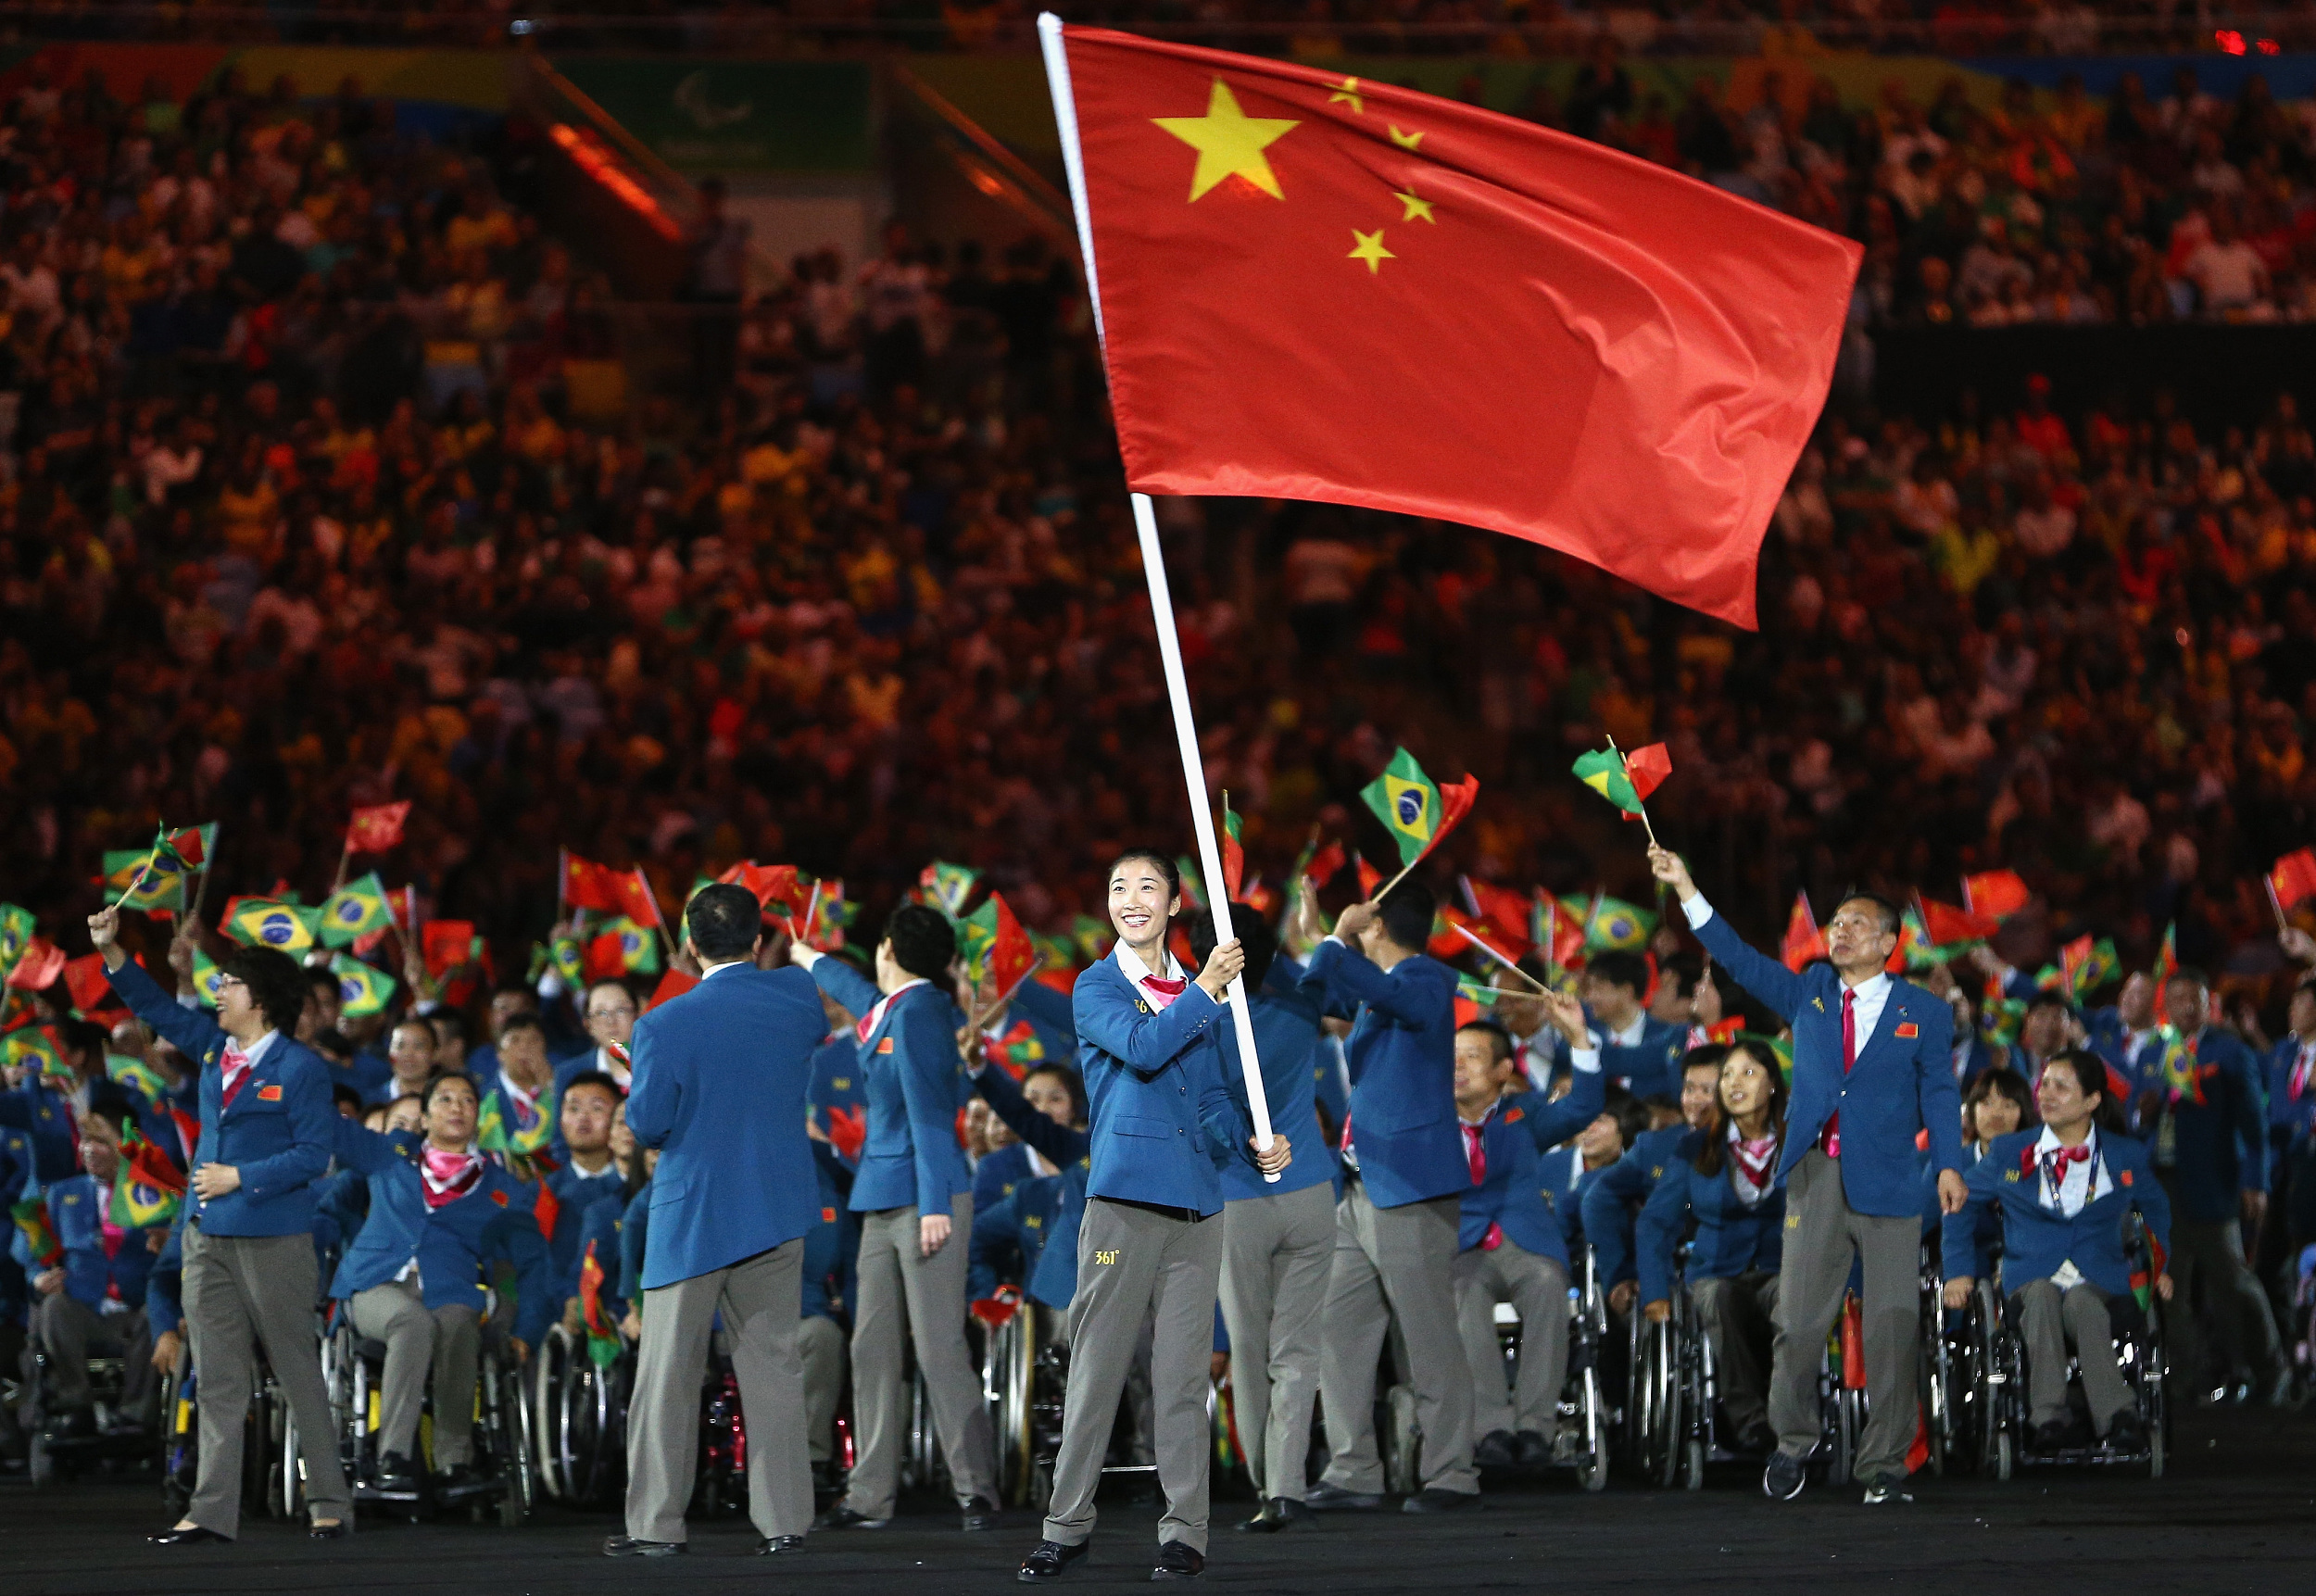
(1051, 1560)
(2051, 1435)
(1783, 1476)
(1530, 1449)
(191, 1535)
(842, 1518)
(628, 1546)
(2125, 1432)
(1436, 1501)
(773, 1545)
(1325, 1498)
(980, 1513)
(1177, 1560)
(338, 1531)
(1496, 1450)
(396, 1473)
(72, 1423)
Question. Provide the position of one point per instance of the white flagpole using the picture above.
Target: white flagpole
(1057, 74)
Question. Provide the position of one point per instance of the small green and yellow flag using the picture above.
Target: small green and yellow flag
(137, 1203)
(267, 923)
(947, 887)
(36, 1051)
(30, 1214)
(364, 989)
(354, 912)
(1417, 811)
(149, 878)
(1612, 923)
(137, 1073)
(206, 976)
(18, 924)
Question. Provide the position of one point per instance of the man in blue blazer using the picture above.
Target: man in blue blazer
(1638, 1050)
(2060, 1192)
(267, 1128)
(1873, 1067)
(2211, 1153)
(1395, 1228)
(1164, 1124)
(719, 1081)
(913, 1192)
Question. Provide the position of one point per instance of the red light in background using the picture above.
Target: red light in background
(599, 164)
(2270, 47)
(2231, 41)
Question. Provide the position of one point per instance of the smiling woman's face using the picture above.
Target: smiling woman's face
(1141, 903)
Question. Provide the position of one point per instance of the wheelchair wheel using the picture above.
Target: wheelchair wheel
(548, 1398)
(1593, 1414)
(1008, 1375)
(289, 1477)
(1403, 1441)
(521, 1457)
(2004, 1455)
(1661, 1396)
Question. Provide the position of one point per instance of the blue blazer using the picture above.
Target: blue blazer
(1731, 1239)
(1935, 1219)
(634, 1232)
(719, 1085)
(2036, 1239)
(2289, 1117)
(2218, 1148)
(278, 1133)
(44, 1116)
(600, 1230)
(77, 1207)
(1902, 1081)
(1163, 1122)
(1514, 1137)
(577, 1200)
(832, 1247)
(164, 1287)
(1042, 1218)
(1651, 1068)
(454, 1244)
(1403, 1074)
(1615, 1194)
(915, 1084)
(1048, 1013)
(996, 1175)
(1285, 1020)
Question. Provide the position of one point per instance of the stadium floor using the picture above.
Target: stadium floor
(2236, 1513)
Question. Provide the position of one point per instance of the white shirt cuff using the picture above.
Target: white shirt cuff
(1587, 1057)
(1336, 937)
(1697, 910)
(807, 956)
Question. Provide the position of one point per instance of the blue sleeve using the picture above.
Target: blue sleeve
(363, 1150)
(1229, 1127)
(1045, 1007)
(1400, 994)
(1764, 977)
(1940, 1101)
(2149, 1198)
(633, 1226)
(1060, 1144)
(655, 1095)
(1658, 1233)
(2019, 986)
(996, 1239)
(1553, 1122)
(2251, 1120)
(855, 991)
(1145, 1043)
(928, 1091)
(1607, 1210)
(313, 1119)
(518, 1240)
(190, 1030)
(1959, 1239)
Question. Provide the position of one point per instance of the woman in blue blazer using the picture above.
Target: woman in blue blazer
(2060, 1193)
(1731, 1187)
(440, 1214)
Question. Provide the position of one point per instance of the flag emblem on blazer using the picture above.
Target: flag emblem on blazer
(1908, 1031)
(886, 1046)
(828, 1216)
(500, 1197)
(268, 1094)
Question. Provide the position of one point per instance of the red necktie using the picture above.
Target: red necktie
(2301, 1073)
(236, 1066)
(1830, 1140)
(1162, 991)
(1476, 1153)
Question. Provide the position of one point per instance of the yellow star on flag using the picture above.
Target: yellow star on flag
(1347, 94)
(1230, 143)
(1368, 247)
(1415, 208)
(1405, 141)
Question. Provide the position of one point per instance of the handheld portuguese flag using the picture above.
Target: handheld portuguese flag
(1314, 286)
(1418, 812)
(1626, 781)
(268, 922)
(1233, 851)
(354, 912)
(604, 1344)
(30, 1214)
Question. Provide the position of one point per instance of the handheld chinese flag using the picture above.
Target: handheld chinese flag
(2293, 878)
(675, 984)
(1503, 915)
(1950, 930)
(1418, 812)
(1804, 941)
(637, 901)
(84, 979)
(997, 945)
(1997, 893)
(2166, 966)
(586, 885)
(377, 829)
(1313, 286)
(603, 1342)
(772, 884)
(38, 966)
(445, 944)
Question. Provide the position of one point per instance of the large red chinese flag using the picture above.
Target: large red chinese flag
(1314, 286)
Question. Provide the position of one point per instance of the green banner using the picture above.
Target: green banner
(703, 116)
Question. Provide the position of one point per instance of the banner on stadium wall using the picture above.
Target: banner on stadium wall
(706, 115)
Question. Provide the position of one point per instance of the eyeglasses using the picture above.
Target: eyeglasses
(225, 981)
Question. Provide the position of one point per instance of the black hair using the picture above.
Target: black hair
(321, 978)
(595, 1078)
(446, 1023)
(2000, 1082)
(2045, 1000)
(1891, 916)
(333, 1042)
(523, 1023)
(2090, 1073)
(1619, 968)
(114, 1111)
(1407, 912)
(924, 941)
(596, 985)
(2188, 973)
(724, 919)
(1710, 1056)
(1713, 1154)
(1499, 1039)
(514, 987)
(276, 984)
(1682, 972)
(343, 1095)
(1631, 1113)
(442, 1078)
(80, 1036)
(1072, 1082)
(1255, 936)
(1166, 867)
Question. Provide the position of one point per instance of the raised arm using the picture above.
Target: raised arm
(1764, 977)
(1059, 1144)
(1553, 1122)
(1410, 994)
(840, 980)
(191, 1031)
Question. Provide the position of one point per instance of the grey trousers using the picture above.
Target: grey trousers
(1740, 1316)
(820, 1342)
(1276, 1254)
(903, 1293)
(1537, 1288)
(2049, 1319)
(1134, 1265)
(72, 1331)
(447, 1340)
(2208, 1260)
(244, 1289)
(760, 1299)
(1822, 1234)
(1395, 1264)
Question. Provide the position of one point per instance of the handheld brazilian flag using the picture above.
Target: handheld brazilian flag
(604, 1344)
(2086, 965)
(948, 886)
(569, 962)
(2183, 1073)
(1193, 882)
(138, 1075)
(1614, 924)
(826, 916)
(364, 989)
(638, 946)
(268, 922)
(137, 1202)
(37, 1050)
(153, 879)
(354, 912)
(30, 1214)
(206, 976)
(1417, 811)
(512, 1132)
(17, 926)
(1091, 939)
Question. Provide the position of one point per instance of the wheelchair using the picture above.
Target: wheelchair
(504, 1440)
(1009, 1374)
(1673, 1420)
(579, 1418)
(271, 1486)
(2137, 1339)
(1582, 1407)
(52, 1456)
(1951, 1375)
